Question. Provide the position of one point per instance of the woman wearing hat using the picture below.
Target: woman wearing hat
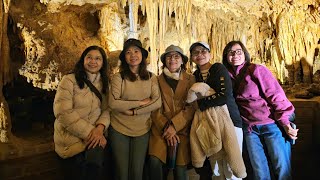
(171, 123)
(134, 94)
(217, 77)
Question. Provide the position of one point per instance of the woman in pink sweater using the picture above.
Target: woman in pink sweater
(265, 110)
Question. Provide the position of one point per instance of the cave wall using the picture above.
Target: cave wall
(280, 35)
(42, 39)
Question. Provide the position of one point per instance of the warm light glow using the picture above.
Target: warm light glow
(281, 35)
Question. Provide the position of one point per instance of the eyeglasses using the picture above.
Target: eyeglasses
(202, 51)
(235, 52)
(174, 56)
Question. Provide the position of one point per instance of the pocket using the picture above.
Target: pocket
(206, 136)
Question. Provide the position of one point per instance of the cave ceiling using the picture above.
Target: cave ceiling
(47, 37)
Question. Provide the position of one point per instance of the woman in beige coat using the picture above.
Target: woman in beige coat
(82, 116)
(171, 123)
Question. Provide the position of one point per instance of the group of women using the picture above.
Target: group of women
(145, 118)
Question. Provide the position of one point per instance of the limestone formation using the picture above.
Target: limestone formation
(46, 37)
(3, 124)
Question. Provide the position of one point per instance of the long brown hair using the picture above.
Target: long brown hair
(128, 74)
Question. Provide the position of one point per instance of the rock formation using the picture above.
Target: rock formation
(42, 39)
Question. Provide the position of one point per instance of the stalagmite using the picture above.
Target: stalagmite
(3, 124)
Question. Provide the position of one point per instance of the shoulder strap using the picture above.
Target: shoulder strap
(93, 88)
(239, 78)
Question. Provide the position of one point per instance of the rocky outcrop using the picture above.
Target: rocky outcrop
(46, 37)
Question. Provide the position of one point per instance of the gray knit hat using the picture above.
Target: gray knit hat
(173, 48)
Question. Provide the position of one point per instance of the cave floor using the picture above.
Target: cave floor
(26, 143)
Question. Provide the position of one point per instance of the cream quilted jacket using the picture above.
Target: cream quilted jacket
(77, 112)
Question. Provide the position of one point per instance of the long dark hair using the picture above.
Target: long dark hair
(228, 48)
(127, 73)
(81, 74)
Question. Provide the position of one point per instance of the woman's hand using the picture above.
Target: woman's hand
(96, 137)
(169, 132)
(292, 133)
(145, 101)
(173, 141)
(102, 142)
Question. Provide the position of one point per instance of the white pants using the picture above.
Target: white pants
(221, 169)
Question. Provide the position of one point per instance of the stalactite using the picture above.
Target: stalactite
(6, 4)
(298, 38)
(158, 14)
(5, 74)
(198, 27)
(271, 37)
(163, 18)
(110, 32)
(5, 69)
(132, 23)
(152, 19)
(278, 63)
(42, 77)
(223, 30)
(133, 18)
(280, 34)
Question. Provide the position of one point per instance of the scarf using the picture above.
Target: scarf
(175, 75)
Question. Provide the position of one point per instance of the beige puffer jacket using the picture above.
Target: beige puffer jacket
(77, 112)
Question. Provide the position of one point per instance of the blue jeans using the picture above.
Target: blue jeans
(129, 154)
(267, 142)
(159, 171)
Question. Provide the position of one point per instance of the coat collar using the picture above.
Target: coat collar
(168, 95)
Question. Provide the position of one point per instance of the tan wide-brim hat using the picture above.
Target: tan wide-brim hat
(173, 48)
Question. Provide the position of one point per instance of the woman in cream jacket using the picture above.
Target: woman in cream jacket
(82, 117)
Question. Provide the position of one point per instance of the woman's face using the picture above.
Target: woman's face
(173, 61)
(93, 61)
(236, 55)
(200, 55)
(133, 56)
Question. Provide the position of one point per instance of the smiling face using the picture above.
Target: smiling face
(236, 55)
(200, 55)
(133, 56)
(93, 61)
(173, 61)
